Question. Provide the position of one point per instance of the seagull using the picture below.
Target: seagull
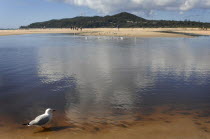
(42, 119)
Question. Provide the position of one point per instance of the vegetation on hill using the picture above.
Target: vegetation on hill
(122, 20)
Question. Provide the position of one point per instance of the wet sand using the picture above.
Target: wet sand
(127, 32)
(164, 123)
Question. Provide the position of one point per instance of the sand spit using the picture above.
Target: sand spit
(127, 32)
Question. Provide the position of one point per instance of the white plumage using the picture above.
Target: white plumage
(42, 119)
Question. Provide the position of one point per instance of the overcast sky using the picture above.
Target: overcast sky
(14, 13)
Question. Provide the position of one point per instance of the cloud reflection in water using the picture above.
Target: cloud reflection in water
(112, 75)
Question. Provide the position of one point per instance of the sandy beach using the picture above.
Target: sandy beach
(125, 32)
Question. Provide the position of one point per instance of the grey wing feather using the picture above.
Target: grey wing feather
(40, 120)
(43, 120)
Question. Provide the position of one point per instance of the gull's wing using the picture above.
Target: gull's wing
(40, 120)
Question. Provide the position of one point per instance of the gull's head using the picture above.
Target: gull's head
(49, 111)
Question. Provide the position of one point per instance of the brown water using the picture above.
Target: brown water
(107, 80)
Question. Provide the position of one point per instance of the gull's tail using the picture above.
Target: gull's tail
(26, 124)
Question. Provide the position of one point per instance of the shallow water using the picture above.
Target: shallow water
(91, 79)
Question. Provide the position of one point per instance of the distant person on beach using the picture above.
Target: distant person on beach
(118, 27)
(204, 28)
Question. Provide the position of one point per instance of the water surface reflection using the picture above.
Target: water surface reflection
(102, 77)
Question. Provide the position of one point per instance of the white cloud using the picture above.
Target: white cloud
(110, 6)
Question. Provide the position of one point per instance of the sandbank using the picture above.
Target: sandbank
(124, 32)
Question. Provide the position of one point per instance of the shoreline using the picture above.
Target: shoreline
(122, 32)
(163, 123)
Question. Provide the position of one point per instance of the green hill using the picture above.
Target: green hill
(123, 20)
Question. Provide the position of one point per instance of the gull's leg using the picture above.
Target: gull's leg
(43, 127)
